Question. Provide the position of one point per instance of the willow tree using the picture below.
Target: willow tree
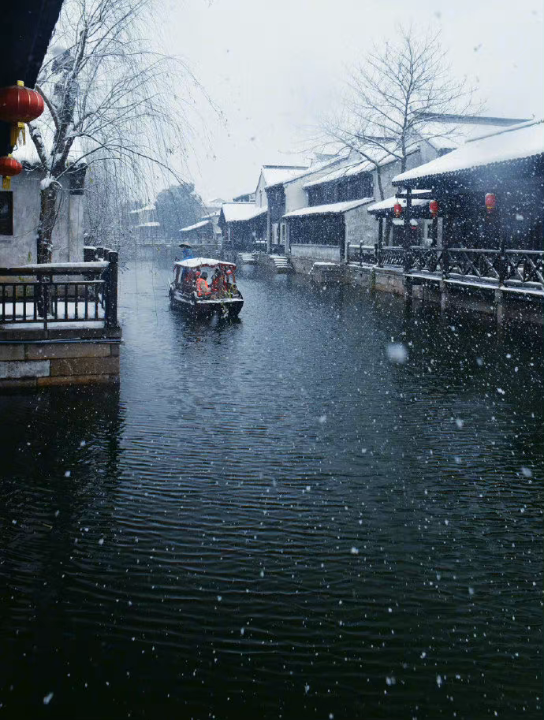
(109, 98)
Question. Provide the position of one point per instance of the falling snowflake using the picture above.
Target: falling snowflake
(397, 353)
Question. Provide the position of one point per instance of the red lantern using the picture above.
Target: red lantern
(397, 209)
(490, 202)
(433, 207)
(20, 104)
(9, 166)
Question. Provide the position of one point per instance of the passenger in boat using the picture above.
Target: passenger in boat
(228, 281)
(230, 285)
(202, 287)
(187, 280)
(217, 282)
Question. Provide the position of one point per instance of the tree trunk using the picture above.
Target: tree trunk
(379, 179)
(48, 216)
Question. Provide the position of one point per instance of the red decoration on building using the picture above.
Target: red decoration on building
(490, 202)
(20, 104)
(434, 207)
(9, 166)
(397, 209)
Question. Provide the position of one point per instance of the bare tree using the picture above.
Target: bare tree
(394, 96)
(109, 99)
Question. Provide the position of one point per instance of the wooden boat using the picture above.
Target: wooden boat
(203, 287)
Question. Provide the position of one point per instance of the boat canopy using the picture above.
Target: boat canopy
(200, 262)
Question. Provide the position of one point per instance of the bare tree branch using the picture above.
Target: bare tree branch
(393, 95)
(109, 99)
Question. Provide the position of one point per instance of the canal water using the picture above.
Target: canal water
(329, 509)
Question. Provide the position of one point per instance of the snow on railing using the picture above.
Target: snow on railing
(79, 292)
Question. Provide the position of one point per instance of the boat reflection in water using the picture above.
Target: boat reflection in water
(203, 287)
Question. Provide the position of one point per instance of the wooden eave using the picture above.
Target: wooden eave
(420, 212)
(26, 27)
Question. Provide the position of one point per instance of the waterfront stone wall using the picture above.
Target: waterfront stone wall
(316, 252)
(502, 304)
(35, 364)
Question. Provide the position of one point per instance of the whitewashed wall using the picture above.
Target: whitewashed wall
(20, 248)
(360, 226)
(317, 252)
(296, 196)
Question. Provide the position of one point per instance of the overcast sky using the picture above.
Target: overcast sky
(274, 68)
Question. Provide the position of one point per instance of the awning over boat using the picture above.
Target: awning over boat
(201, 261)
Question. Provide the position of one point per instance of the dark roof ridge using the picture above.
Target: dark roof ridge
(287, 167)
(471, 119)
(510, 128)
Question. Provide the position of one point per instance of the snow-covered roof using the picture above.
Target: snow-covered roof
(200, 261)
(147, 208)
(196, 226)
(276, 174)
(513, 143)
(240, 212)
(447, 132)
(346, 171)
(389, 202)
(318, 168)
(361, 166)
(149, 224)
(332, 209)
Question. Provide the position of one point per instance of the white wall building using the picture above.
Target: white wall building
(21, 247)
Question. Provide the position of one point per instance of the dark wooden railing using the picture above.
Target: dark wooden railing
(391, 255)
(505, 267)
(362, 254)
(61, 292)
(524, 266)
(375, 255)
(426, 259)
(474, 263)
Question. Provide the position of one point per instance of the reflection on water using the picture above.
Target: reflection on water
(272, 519)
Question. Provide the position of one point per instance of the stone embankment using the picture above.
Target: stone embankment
(40, 363)
(504, 303)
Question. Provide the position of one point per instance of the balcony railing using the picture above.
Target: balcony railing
(502, 267)
(65, 293)
(362, 254)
